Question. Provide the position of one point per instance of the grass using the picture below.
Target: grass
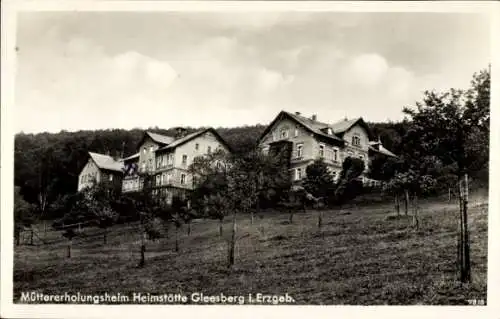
(362, 256)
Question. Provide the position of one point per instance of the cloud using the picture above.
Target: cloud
(138, 70)
(368, 69)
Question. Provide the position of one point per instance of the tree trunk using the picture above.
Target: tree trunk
(460, 256)
(176, 238)
(396, 200)
(449, 194)
(17, 235)
(251, 216)
(31, 235)
(105, 237)
(70, 241)
(320, 219)
(220, 227)
(291, 215)
(407, 201)
(233, 242)
(465, 274)
(189, 229)
(142, 262)
(415, 211)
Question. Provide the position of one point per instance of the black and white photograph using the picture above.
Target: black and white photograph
(236, 154)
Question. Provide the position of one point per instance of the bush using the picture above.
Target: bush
(154, 228)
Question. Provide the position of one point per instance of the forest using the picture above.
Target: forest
(46, 165)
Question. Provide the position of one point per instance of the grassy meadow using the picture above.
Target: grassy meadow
(363, 255)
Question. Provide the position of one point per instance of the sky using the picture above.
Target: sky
(99, 70)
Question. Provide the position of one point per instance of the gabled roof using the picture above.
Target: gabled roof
(312, 126)
(136, 155)
(106, 162)
(191, 136)
(343, 126)
(161, 139)
(378, 147)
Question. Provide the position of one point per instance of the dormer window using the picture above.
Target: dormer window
(296, 131)
(329, 131)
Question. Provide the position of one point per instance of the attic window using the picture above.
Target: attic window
(356, 141)
(329, 131)
(284, 133)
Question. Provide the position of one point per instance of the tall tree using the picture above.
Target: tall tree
(453, 127)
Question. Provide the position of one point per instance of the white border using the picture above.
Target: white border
(8, 29)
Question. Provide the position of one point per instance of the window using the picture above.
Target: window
(209, 150)
(143, 166)
(184, 159)
(265, 149)
(296, 131)
(144, 150)
(196, 146)
(151, 149)
(299, 150)
(157, 180)
(322, 150)
(329, 131)
(334, 175)
(298, 173)
(356, 141)
(183, 179)
(284, 133)
(349, 154)
(110, 178)
(168, 178)
(335, 154)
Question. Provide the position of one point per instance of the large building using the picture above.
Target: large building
(309, 139)
(165, 158)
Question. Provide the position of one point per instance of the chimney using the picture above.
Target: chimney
(314, 117)
(180, 132)
(297, 113)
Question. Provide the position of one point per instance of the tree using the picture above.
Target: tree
(23, 215)
(346, 187)
(319, 181)
(452, 126)
(227, 186)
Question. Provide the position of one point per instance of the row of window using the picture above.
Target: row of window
(283, 133)
(300, 173)
(131, 184)
(197, 147)
(166, 179)
(88, 177)
(164, 160)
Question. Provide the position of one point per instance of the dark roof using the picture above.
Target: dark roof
(343, 126)
(136, 155)
(381, 149)
(161, 139)
(191, 136)
(106, 162)
(313, 126)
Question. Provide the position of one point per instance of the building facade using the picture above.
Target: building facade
(100, 168)
(310, 139)
(167, 159)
